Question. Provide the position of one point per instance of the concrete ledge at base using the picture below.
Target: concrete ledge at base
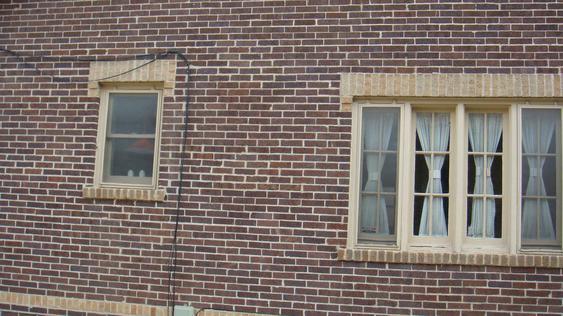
(134, 194)
(554, 260)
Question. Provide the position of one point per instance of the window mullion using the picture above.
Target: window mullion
(407, 188)
(559, 162)
(431, 176)
(513, 180)
(485, 172)
(459, 176)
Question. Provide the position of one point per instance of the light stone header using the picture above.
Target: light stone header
(159, 71)
(354, 85)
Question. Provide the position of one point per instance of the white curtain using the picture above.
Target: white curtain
(476, 138)
(537, 132)
(433, 138)
(377, 134)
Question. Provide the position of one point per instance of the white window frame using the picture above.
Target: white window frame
(423, 242)
(457, 240)
(356, 158)
(102, 133)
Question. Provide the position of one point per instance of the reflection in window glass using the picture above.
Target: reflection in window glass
(541, 177)
(130, 138)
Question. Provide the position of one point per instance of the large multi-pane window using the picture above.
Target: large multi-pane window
(457, 176)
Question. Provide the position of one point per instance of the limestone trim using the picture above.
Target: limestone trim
(355, 85)
(101, 307)
(410, 257)
(81, 305)
(133, 194)
(162, 72)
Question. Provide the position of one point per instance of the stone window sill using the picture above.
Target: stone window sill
(132, 194)
(554, 260)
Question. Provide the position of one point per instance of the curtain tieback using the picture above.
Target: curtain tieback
(533, 172)
(479, 172)
(437, 174)
(374, 176)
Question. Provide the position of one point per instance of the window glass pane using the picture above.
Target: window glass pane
(389, 174)
(431, 216)
(484, 217)
(471, 174)
(377, 215)
(418, 205)
(391, 202)
(476, 132)
(132, 113)
(541, 177)
(549, 177)
(421, 173)
(442, 161)
(370, 175)
(494, 132)
(496, 175)
(498, 219)
(441, 132)
(129, 159)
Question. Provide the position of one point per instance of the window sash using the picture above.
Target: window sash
(106, 137)
(427, 232)
(371, 182)
(482, 155)
(538, 243)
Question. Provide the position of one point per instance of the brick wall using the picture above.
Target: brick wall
(265, 201)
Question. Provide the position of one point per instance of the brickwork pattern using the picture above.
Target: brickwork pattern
(265, 202)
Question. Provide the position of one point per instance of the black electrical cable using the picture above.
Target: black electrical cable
(174, 250)
(173, 260)
(28, 64)
(25, 63)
